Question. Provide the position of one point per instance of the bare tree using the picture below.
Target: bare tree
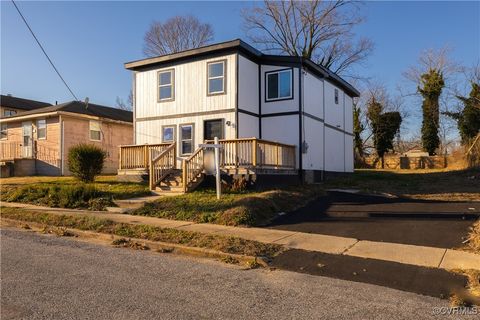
(177, 34)
(319, 30)
(121, 104)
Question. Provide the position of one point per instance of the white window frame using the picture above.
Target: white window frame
(192, 139)
(267, 74)
(171, 84)
(3, 131)
(223, 77)
(38, 129)
(99, 130)
(174, 127)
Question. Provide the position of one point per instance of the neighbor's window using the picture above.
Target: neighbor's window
(336, 96)
(41, 129)
(95, 130)
(186, 138)
(3, 131)
(216, 77)
(9, 113)
(165, 85)
(168, 134)
(279, 85)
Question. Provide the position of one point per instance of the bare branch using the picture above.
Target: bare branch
(176, 34)
(319, 30)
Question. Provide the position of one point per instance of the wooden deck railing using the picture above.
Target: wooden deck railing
(161, 164)
(10, 150)
(137, 156)
(192, 167)
(253, 152)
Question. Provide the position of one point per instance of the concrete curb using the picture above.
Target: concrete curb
(107, 239)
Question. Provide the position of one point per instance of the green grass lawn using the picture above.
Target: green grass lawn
(248, 208)
(67, 192)
(457, 185)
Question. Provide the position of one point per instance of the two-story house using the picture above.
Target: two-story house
(234, 92)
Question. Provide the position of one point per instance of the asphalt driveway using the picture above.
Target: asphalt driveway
(375, 218)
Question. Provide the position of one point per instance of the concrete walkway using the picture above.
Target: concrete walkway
(402, 253)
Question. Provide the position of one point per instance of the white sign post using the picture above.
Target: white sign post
(217, 148)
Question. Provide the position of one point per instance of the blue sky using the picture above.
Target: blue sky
(90, 41)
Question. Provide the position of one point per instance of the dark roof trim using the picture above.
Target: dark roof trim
(80, 108)
(251, 53)
(7, 101)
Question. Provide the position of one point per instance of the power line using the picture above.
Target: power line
(41, 47)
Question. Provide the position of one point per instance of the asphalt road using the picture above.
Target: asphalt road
(417, 222)
(46, 277)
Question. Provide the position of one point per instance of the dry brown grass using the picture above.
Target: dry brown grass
(431, 184)
(473, 244)
(471, 296)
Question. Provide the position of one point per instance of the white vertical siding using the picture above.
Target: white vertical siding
(313, 95)
(334, 112)
(282, 129)
(248, 85)
(282, 105)
(190, 89)
(334, 150)
(247, 126)
(313, 159)
(348, 153)
(348, 114)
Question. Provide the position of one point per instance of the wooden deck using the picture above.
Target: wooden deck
(248, 156)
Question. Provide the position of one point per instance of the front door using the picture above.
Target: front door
(212, 129)
(27, 139)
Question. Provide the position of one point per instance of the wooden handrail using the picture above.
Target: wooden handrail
(192, 167)
(161, 165)
(253, 152)
(137, 156)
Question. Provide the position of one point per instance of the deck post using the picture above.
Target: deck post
(120, 158)
(184, 175)
(145, 156)
(150, 175)
(254, 161)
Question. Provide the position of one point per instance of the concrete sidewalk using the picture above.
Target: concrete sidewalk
(407, 254)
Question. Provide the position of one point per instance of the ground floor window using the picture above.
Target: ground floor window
(168, 134)
(186, 138)
(212, 129)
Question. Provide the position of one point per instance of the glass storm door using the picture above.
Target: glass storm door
(27, 139)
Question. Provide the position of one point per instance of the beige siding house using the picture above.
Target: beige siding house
(36, 142)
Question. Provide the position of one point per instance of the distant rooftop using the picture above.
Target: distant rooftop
(9, 101)
(81, 108)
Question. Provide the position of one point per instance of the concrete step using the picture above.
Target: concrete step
(169, 189)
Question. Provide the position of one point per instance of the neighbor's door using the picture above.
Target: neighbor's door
(27, 139)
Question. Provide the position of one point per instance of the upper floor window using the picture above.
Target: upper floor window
(279, 85)
(166, 85)
(41, 129)
(336, 96)
(216, 77)
(3, 131)
(8, 113)
(95, 133)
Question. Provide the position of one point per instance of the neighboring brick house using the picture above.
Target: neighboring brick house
(10, 105)
(36, 142)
